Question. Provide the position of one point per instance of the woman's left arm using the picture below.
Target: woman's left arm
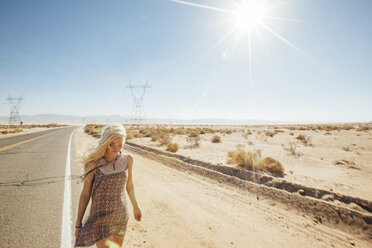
(130, 189)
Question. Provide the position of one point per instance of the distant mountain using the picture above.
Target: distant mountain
(104, 119)
(65, 119)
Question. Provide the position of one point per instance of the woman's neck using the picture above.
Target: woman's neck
(110, 157)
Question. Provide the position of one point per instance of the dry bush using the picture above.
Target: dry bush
(291, 133)
(362, 128)
(153, 138)
(327, 133)
(251, 160)
(194, 140)
(193, 134)
(240, 146)
(245, 135)
(271, 165)
(269, 133)
(163, 139)
(306, 140)
(216, 139)
(249, 142)
(181, 131)
(245, 159)
(172, 147)
(228, 132)
(138, 135)
(94, 130)
(10, 131)
(349, 164)
(346, 149)
(292, 149)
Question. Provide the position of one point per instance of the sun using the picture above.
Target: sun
(249, 15)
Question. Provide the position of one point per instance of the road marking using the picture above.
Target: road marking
(66, 234)
(25, 141)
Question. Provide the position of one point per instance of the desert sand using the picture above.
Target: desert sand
(338, 161)
(184, 209)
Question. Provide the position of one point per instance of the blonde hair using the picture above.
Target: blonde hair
(109, 133)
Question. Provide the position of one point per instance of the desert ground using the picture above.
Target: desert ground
(6, 131)
(184, 209)
(332, 157)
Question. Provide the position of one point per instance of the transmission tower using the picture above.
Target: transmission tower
(15, 106)
(137, 115)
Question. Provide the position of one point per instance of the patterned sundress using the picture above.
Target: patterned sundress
(109, 207)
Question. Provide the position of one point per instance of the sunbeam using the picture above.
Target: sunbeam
(286, 41)
(203, 6)
(248, 15)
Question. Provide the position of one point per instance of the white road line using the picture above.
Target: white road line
(66, 235)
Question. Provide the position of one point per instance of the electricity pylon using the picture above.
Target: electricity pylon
(15, 107)
(137, 116)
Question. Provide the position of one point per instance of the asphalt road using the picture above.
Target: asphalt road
(32, 178)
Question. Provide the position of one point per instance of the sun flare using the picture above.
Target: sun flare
(249, 15)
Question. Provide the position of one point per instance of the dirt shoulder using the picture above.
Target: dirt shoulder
(183, 208)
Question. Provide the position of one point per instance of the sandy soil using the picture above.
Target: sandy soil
(25, 131)
(314, 165)
(187, 210)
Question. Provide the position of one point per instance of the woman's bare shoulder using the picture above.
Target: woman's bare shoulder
(129, 156)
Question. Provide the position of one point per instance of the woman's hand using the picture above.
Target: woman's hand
(137, 213)
(77, 231)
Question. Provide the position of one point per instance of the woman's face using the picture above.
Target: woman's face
(115, 146)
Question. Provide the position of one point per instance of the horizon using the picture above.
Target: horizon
(291, 61)
(100, 119)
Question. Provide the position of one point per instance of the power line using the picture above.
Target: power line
(28, 67)
(38, 56)
(45, 38)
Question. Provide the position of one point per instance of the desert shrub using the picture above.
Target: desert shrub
(362, 128)
(240, 146)
(193, 134)
(172, 147)
(346, 149)
(271, 165)
(216, 139)
(10, 131)
(138, 135)
(245, 159)
(194, 140)
(269, 133)
(306, 140)
(292, 149)
(251, 160)
(164, 139)
(153, 138)
(228, 132)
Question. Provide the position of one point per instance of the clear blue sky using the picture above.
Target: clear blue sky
(169, 44)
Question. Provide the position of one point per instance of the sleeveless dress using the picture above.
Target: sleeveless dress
(109, 207)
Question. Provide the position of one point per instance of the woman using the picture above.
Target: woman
(107, 172)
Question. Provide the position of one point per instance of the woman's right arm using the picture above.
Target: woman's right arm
(85, 197)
